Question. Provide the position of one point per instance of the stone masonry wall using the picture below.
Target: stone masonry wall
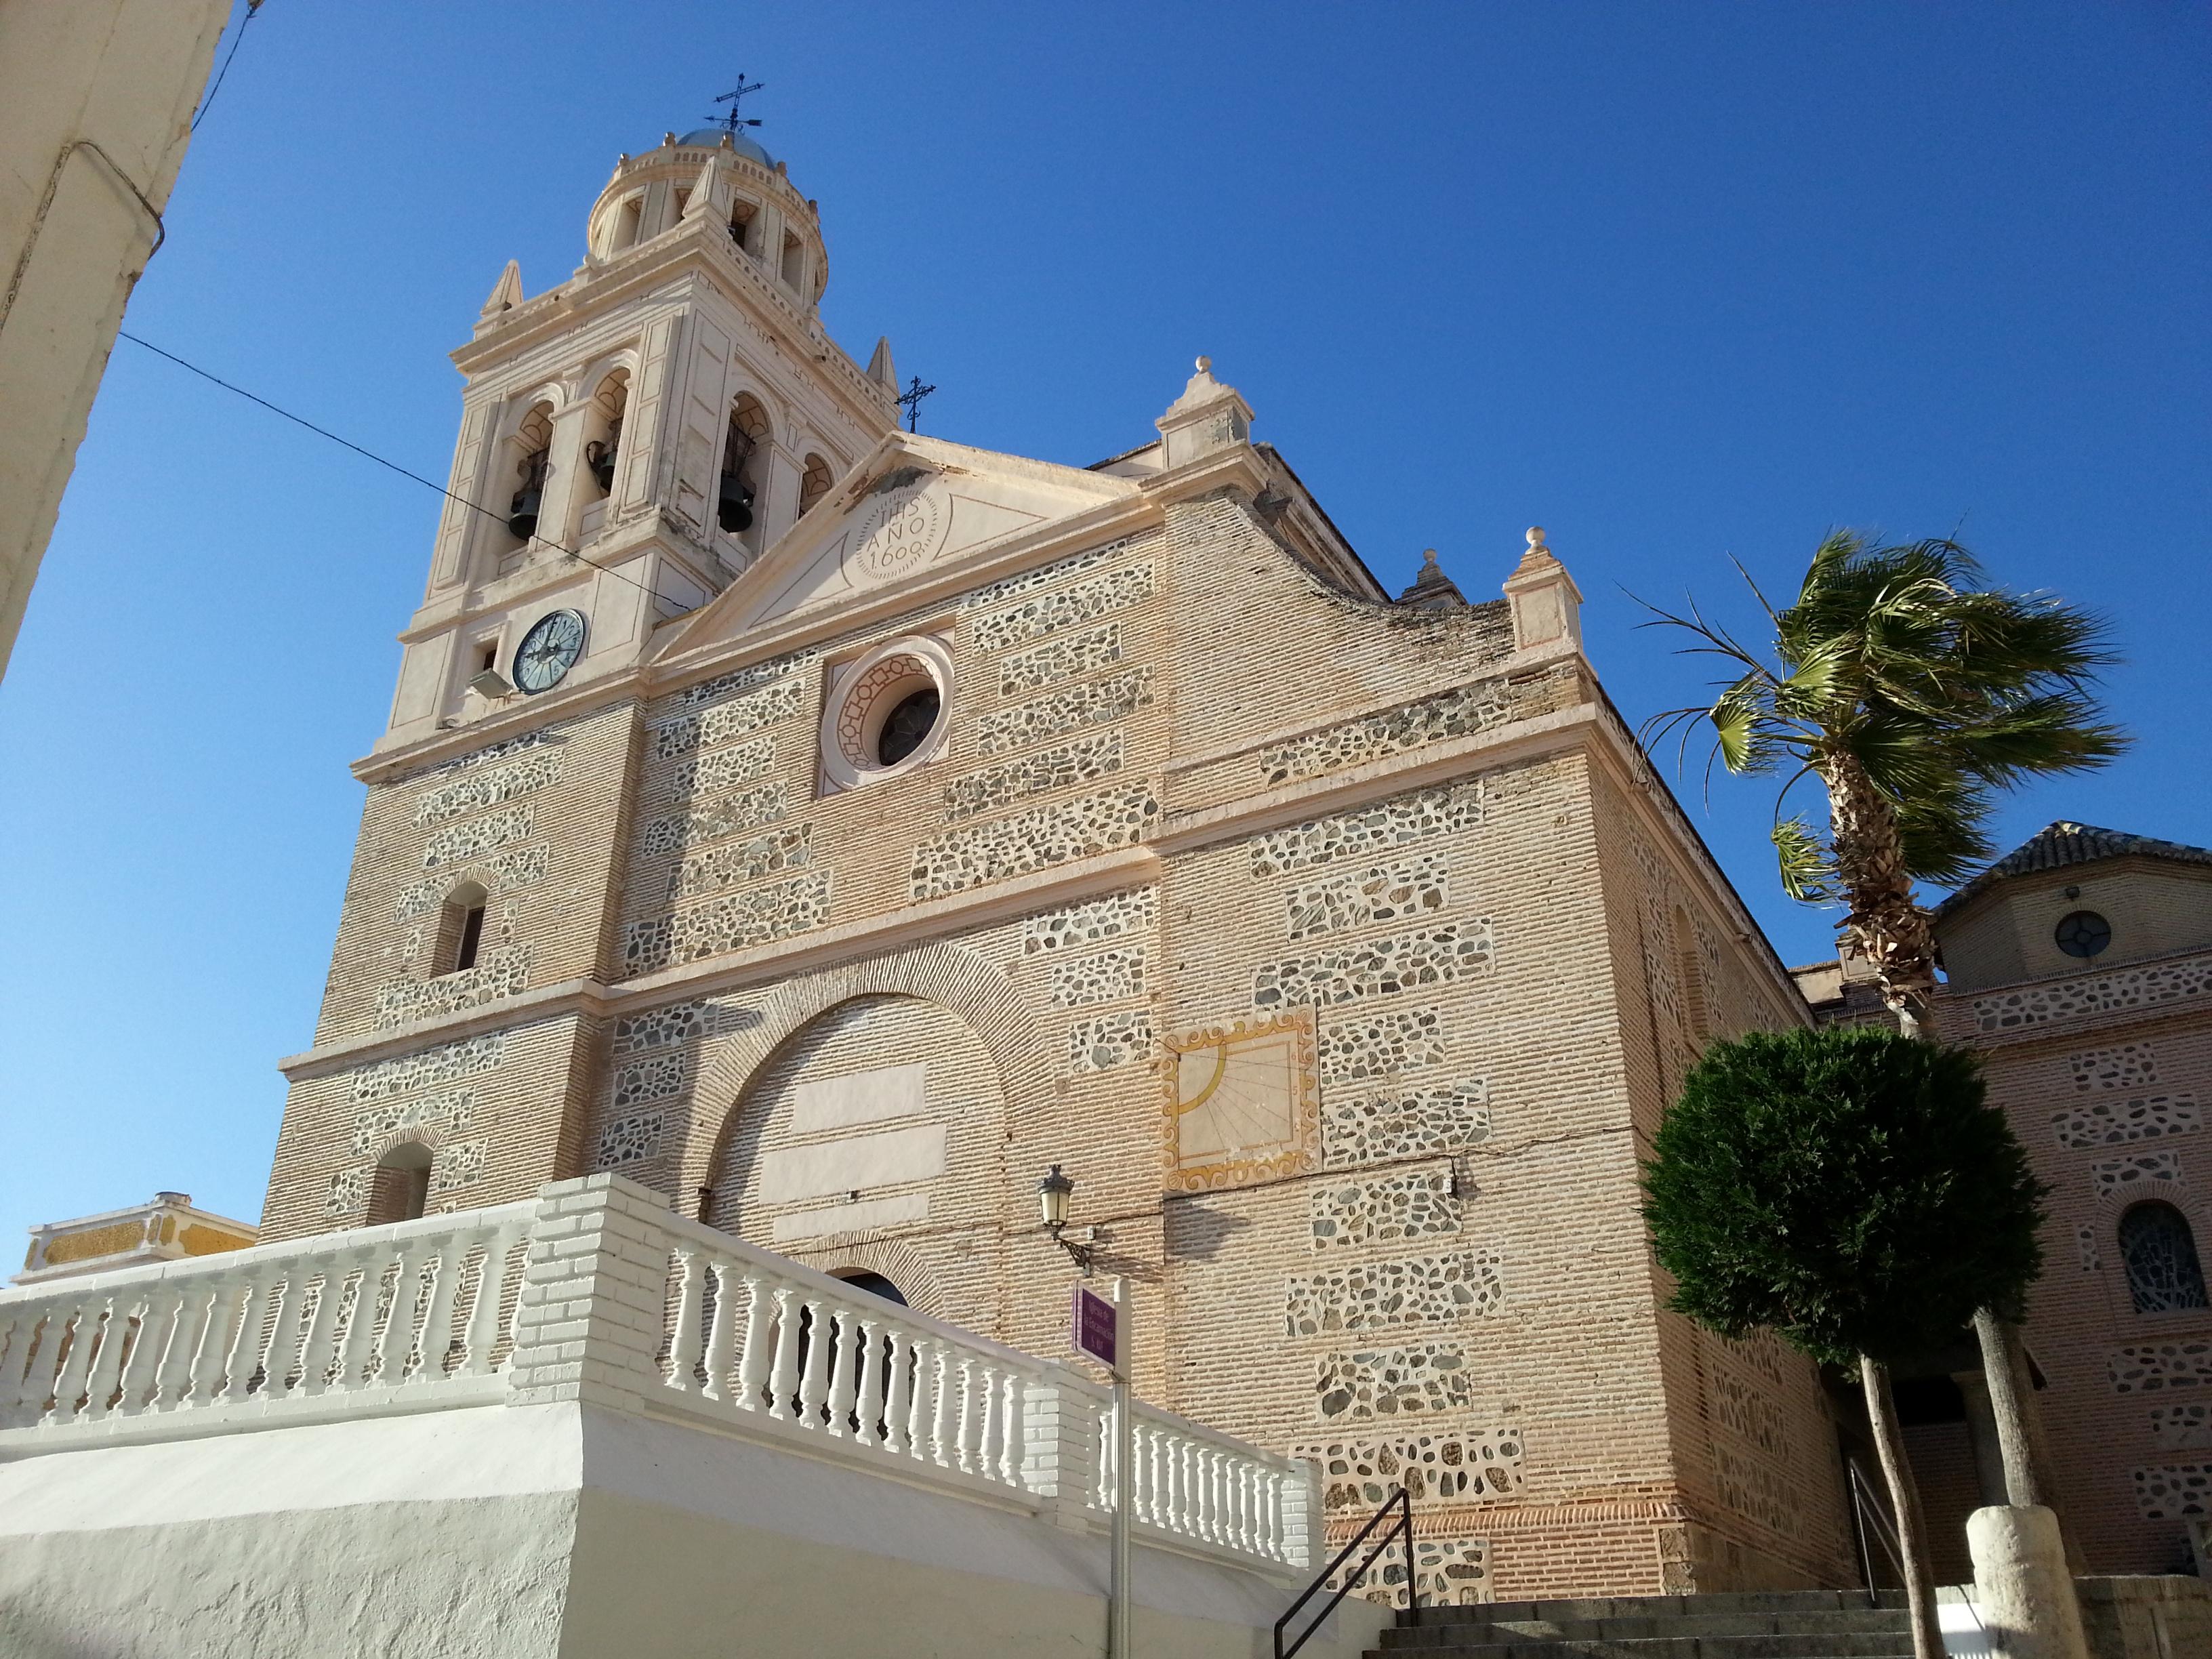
(2104, 1076)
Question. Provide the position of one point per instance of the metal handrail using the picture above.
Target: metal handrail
(1400, 1528)
(1865, 1506)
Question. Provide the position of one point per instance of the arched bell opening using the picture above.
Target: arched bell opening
(814, 484)
(530, 452)
(603, 429)
(743, 214)
(744, 471)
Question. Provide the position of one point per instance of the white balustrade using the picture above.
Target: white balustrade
(432, 1314)
(258, 1328)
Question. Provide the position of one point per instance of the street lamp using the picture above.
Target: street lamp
(1052, 1194)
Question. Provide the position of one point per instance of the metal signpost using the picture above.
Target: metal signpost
(1102, 1333)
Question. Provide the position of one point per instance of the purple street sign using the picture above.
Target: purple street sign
(1097, 1326)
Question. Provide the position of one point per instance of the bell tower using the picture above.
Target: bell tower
(634, 438)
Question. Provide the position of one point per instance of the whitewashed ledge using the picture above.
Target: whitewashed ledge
(581, 1424)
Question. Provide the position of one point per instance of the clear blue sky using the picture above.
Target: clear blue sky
(1677, 282)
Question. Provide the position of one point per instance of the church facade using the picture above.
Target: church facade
(836, 829)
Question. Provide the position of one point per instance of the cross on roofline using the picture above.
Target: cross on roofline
(731, 119)
(910, 400)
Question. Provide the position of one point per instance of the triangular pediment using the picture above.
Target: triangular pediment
(917, 507)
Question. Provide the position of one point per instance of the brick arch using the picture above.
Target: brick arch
(979, 992)
(895, 1259)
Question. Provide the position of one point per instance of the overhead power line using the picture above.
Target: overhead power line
(370, 454)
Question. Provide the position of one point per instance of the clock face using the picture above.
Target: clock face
(549, 650)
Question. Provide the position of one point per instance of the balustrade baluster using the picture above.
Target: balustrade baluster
(83, 1338)
(172, 1373)
(814, 1379)
(438, 1323)
(683, 1346)
(753, 1363)
(1145, 1458)
(945, 1431)
(1248, 1507)
(483, 1312)
(357, 1347)
(969, 1431)
(898, 1400)
(210, 1342)
(135, 1384)
(1217, 1496)
(395, 1339)
(990, 1438)
(840, 1337)
(39, 1340)
(722, 1340)
(868, 1430)
(783, 1383)
(107, 1370)
(1010, 1432)
(314, 1359)
(1102, 1484)
(244, 1358)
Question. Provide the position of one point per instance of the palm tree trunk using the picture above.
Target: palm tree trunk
(2028, 1472)
(1905, 1498)
(1886, 926)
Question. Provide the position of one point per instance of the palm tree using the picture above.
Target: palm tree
(1914, 693)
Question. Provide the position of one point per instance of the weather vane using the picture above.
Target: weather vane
(910, 400)
(733, 121)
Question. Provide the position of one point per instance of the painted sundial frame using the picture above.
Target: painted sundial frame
(1299, 1149)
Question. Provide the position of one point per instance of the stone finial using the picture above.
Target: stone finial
(506, 293)
(707, 192)
(1546, 604)
(1432, 590)
(1208, 416)
(879, 366)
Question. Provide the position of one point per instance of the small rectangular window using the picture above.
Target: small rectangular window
(488, 656)
(472, 937)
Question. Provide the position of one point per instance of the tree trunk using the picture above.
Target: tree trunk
(2027, 1473)
(1904, 1500)
(1885, 926)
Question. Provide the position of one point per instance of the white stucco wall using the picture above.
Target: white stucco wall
(552, 1530)
(122, 76)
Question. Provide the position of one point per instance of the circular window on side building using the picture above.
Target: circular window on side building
(884, 713)
(2082, 934)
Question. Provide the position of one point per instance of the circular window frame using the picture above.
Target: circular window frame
(862, 694)
(2091, 920)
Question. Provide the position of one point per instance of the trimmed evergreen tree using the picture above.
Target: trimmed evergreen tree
(1854, 1192)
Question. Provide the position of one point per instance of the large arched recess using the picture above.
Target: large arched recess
(980, 992)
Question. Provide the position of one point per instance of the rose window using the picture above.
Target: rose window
(885, 713)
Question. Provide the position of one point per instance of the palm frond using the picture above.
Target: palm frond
(1807, 868)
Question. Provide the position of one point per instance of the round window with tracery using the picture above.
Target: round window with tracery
(2083, 934)
(885, 713)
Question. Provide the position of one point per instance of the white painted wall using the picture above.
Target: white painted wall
(564, 1531)
(93, 93)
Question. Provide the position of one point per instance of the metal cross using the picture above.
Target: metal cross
(733, 121)
(910, 400)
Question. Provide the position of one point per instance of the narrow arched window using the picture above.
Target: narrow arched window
(814, 484)
(745, 457)
(460, 930)
(794, 260)
(401, 1188)
(2164, 1274)
(604, 448)
(741, 225)
(628, 218)
(529, 451)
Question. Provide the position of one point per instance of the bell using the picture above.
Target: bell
(522, 512)
(735, 511)
(600, 459)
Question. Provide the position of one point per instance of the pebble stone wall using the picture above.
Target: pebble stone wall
(2103, 1073)
(1450, 1289)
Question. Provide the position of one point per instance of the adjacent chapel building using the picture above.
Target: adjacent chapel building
(835, 829)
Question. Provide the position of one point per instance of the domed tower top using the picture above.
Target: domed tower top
(713, 172)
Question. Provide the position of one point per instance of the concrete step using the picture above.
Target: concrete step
(1463, 1642)
(1859, 1621)
(1791, 1603)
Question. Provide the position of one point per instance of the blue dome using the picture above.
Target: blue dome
(711, 139)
